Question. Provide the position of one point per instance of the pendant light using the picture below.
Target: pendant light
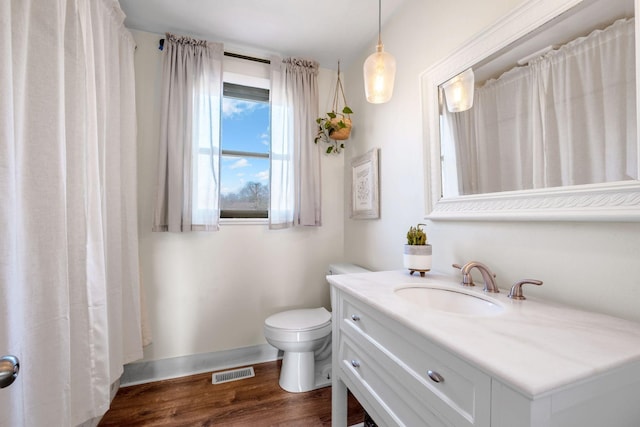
(458, 91)
(379, 70)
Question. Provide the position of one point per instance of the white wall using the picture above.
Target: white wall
(208, 292)
(590, 265)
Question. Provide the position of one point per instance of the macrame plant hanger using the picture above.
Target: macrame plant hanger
(341, 132)
(335, 126)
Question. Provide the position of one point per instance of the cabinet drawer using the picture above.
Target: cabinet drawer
(384, 383)
(463, 393)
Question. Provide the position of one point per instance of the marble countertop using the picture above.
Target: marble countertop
(535, 346)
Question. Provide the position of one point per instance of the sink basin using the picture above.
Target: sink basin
(449, 300)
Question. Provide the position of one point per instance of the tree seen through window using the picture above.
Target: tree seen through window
(244, 190)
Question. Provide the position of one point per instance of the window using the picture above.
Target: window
(245, 142)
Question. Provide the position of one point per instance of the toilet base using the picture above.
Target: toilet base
(300, 372)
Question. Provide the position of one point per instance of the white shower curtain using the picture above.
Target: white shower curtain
(68, 250)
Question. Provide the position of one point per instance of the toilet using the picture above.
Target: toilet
(304, 335)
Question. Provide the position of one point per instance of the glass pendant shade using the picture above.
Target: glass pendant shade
(459, 91)
(379, 74)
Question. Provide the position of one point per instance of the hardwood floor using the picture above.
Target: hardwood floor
(194, 401)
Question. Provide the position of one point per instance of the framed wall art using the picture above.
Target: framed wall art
(365, 190)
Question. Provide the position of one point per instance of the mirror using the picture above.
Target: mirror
(503, 158)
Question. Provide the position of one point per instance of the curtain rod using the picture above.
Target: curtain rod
(230, 54)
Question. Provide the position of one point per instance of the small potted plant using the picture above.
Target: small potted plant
(417, 252)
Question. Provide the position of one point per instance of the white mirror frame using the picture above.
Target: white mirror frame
(617, 201)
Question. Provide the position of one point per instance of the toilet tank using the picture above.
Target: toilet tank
(346, 269)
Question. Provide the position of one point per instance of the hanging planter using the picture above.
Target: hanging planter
(335, 126)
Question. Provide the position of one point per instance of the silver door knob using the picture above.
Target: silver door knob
(9, 367)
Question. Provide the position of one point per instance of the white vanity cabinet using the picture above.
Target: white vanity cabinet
(403, 377)
(388, 366)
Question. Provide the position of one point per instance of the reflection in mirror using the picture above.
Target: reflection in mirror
(458, 91)
(578, 161)
(555, 109)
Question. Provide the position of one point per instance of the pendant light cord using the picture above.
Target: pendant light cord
(379, 22)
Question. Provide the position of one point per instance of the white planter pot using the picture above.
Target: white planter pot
(417, 258)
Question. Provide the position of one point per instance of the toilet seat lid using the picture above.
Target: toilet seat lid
(299, 320)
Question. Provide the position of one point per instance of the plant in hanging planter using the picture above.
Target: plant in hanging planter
(335, 125)
(417, 252)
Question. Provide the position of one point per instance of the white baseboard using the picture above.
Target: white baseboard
(157, 370)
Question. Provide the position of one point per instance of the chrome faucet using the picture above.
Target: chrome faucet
(487, 276)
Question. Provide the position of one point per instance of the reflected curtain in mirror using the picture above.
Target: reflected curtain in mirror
(567, 118)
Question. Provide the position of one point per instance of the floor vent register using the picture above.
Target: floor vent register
(232, 375)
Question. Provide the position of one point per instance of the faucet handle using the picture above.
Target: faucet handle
(516, 289)
(459, 267)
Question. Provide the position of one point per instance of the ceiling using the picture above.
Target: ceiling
(327, 30)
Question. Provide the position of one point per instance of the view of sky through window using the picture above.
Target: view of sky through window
(245, 127)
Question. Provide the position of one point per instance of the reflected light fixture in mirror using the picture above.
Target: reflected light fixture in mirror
(458, 91)
(379, 70)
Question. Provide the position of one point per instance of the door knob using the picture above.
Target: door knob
(9, 367)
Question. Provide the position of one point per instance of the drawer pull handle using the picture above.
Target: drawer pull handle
(355, 317)
(435, 377)
(355, 363)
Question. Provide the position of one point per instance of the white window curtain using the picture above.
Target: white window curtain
(295, 159)
(68, 251)
(189, 156)
(558, 121)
